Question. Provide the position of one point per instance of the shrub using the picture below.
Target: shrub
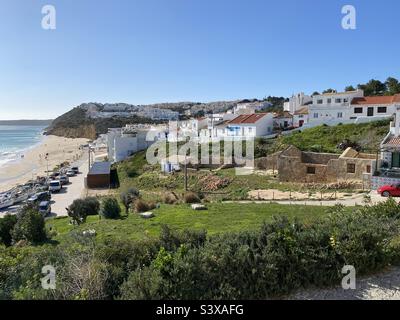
(81, 208)
(110, 208)
(30, 226)
(141, 206)
(6, 226)
(169, 199)
(191, 197)
(280, 257)
(128, 197)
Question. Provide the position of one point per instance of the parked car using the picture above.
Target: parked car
(64, 180)
(75, 169)
(391, 173)
(390, 191)
(39, 197)
(71, 173)
(44, 208)
(55, 186)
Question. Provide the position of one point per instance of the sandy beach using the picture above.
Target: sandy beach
(34, 161)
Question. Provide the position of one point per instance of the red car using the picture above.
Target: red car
(389, 191)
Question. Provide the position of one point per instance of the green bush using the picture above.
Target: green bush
(283, 256)
(110, 208)
(81, 208)
(6, 226)
(30, 226)
(271, 262)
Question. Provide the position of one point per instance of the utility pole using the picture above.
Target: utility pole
(186, 177)
(89, 157)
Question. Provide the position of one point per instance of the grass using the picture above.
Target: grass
(135, 172)
(219, 218)
(326, 138)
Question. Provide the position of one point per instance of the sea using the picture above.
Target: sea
(15, 140)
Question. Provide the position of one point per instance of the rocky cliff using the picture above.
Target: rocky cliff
(76, 124)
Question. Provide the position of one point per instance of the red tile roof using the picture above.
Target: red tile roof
(303, 110)
(395, 141)
(376, 100)
(247, 118)
(283, 114)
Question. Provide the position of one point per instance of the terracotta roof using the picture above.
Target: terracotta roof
(284, 114)
(395, 141)
(303, 110)
(376, 100)
(247, 118)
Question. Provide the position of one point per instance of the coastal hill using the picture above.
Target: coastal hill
(88, 120)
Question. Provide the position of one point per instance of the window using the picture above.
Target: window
(329, 100)
(340, 115)
(358, 110)
(345, 100)
(315, 115)
(310, 170)
(320, 101)
(382, 109)
(338, 100)
(368, 168)
(351, 168)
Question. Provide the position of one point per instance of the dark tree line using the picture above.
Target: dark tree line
(373, 87)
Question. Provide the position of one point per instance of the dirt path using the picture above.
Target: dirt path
(348, 201)
(384, 286)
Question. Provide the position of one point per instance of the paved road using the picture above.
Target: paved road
(60, 201)
(70, 192)
(383, 286)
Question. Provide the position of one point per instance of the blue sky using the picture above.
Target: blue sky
(147, 51)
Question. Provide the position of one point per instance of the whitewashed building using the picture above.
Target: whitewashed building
(124, 142)
(296, 102)
(245, 126)
(251, 107)
(332, 108)
(300, 117)
(373, 107)
(283, 120)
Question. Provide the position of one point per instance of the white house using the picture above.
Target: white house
(300, 117)
(246, 125)
(251, 107)
(332, 108)
(296, 102)
(390, 146)
(283, 120)
(124, 142)
(373, 107)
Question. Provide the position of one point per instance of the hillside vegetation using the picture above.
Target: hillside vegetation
(75, 124)
(326, 138)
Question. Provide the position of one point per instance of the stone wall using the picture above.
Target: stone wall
(308, 167)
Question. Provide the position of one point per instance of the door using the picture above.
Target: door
(396, 159)
(301, 122)
(370, 111)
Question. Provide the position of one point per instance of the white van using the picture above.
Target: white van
(55, 186)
